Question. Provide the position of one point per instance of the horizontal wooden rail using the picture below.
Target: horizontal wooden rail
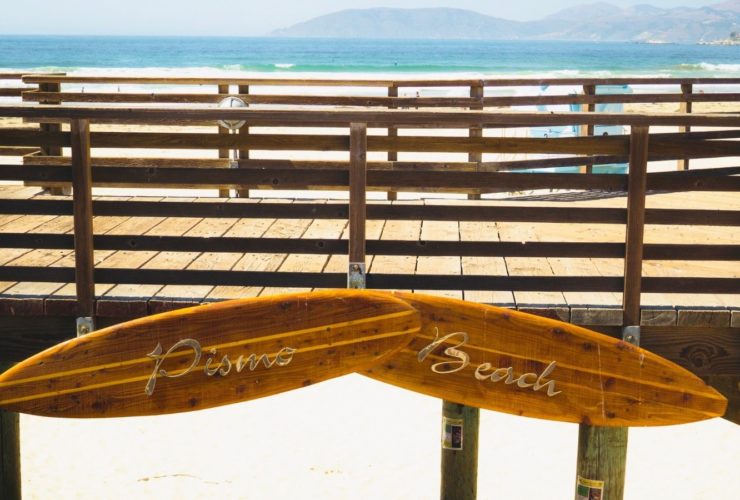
(31, 95)
(307, 178)
(339, 211)
(662, 148)
(13, 91)
(17, 151)
(381, 281)
(384, 247)
(373, 118)
(469, 166)
(327, 82)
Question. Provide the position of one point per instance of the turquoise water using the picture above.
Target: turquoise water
(290, 55)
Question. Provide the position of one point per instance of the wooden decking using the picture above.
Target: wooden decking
(600, 308)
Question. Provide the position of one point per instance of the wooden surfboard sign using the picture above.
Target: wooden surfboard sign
(211, 355)
(508, 361)
(474, 354)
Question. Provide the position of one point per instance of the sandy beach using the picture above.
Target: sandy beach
(352, 438)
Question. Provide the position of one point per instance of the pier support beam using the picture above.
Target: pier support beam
(10, 452)
(602, 456)
(459, 451)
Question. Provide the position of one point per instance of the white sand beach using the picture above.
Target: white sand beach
(351, 438)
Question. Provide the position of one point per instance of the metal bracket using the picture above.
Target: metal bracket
(356, 275)
(631, 334)
(85, 325)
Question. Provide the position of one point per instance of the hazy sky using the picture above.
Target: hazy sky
(237, 17)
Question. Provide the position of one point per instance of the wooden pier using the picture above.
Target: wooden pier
(656, 247)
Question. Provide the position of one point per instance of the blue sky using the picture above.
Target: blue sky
(237, 17)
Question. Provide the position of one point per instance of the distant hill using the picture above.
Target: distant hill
(597, 21)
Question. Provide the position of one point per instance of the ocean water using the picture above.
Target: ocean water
(289, 56)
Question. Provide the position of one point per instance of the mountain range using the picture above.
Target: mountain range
(595, 22)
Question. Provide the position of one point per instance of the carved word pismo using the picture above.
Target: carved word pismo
(460, 360)
(211, 368)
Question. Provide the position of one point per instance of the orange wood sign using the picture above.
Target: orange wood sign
(240, 350)
(523, 364)
(211, 355)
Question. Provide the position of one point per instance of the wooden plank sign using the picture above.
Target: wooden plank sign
(464, 352)
(523, 364)
(211, 355)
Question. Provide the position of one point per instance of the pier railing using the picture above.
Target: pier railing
(387, 93)
(579, 94)
(354, 173)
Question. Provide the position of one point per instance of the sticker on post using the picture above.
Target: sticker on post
(589, 489)
(452, 433)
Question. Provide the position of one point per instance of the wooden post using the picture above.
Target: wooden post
(52, 127)
(357, 204)
(588, 130)
(10, 452)
(686, 105)
(476, 92)
(392, 132)
(459, 466)
(223, 153)
(602, 456)
(635, 225)
(82, 201)
(602, 451)
(243, 153)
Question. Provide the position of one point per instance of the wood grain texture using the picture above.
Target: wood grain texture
(83, 217)
(357, 192)
(603, 381)
(602, 456)
(637, 182)
(415, 82)
(104, 374)
(367, 101)
(460, 467)
(373, 118)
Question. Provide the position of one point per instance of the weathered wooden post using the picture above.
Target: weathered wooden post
(10, 452)
(243, 153)
(223, 153)
(392, 132)
(602, 451)
(686, 107)
(476, 92)
(83, 228)
(52, 127)
(357, 204)
(460, 425)
(588, 130)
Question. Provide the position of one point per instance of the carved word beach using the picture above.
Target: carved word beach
(461, 360)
